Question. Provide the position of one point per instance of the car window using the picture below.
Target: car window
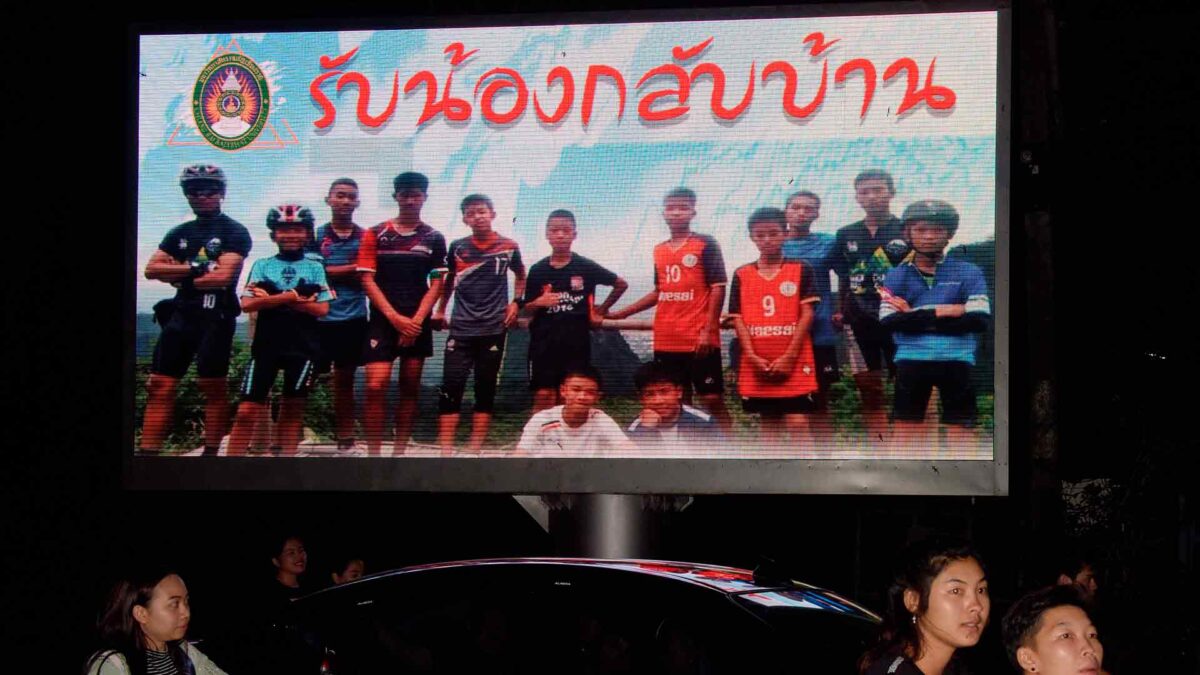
(538, 620)
(819, 641)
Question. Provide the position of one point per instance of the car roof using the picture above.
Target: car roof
(728, 580)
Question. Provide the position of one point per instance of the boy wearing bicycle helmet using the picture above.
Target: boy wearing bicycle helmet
(935, 309)
(202, 259)
(289, 292)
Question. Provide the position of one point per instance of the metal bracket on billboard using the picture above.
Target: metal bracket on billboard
(610, 526)
(602, 525)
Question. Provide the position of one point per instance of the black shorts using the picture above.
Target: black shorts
(550, 360)
(778, 407)
(382, 341)
(915, 381)
(827, 367)
(298, 372)
(483, 354)
(874, 343)
(188, 336)
(341, 343)
(703, 373)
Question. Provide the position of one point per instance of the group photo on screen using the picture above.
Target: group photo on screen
(751, 288)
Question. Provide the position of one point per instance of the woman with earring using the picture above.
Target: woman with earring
(937, 604)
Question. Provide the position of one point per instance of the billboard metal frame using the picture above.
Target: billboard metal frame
(619, 476)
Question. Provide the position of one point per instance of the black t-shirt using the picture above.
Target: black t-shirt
(204, 240)
(567, 322)
(894, 663)
(862, 261)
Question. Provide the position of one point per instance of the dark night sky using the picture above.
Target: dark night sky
(1116, 177)
(1126, 230)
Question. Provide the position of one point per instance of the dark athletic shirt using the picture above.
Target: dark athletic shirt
(204, 240)
(480, 278)
(862, 261)
(566, 323)
(402, 262)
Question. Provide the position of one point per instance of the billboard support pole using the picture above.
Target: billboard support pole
(613, 526)
(610, 525)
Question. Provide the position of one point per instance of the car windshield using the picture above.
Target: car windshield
(822, 632)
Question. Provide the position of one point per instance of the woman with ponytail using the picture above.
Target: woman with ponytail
(937, 604)
(142, 629)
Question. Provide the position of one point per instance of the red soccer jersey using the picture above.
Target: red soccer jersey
(770, 309)
(684, 277)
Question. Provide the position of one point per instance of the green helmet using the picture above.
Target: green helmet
(289, 214)
(932, 211)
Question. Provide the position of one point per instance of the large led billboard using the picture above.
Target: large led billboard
(751, 254)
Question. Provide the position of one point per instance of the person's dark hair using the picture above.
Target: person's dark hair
(1024, 619)
(473, 199)
(920, 563)
(682, 193)
(121, 634)
(410, 179)
(767, 214)
(654, 372)
(803, 193)
(342, 561)
(876, 174)
(583, 370)
(280, 540)
(1070, 562)
(561, 213)
(343, 181)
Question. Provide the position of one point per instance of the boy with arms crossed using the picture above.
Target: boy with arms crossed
(478, 280)
(689, 291)
(203, 259)
(935, 308)
(771, 302)
(344, 329)
(289, 292)
(402, 262)
(560, 293)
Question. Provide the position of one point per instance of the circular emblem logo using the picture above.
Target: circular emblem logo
(787, 289)
(896, 248)
(231, 101)
(690, 260)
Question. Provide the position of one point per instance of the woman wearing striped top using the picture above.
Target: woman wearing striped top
(142, 629)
